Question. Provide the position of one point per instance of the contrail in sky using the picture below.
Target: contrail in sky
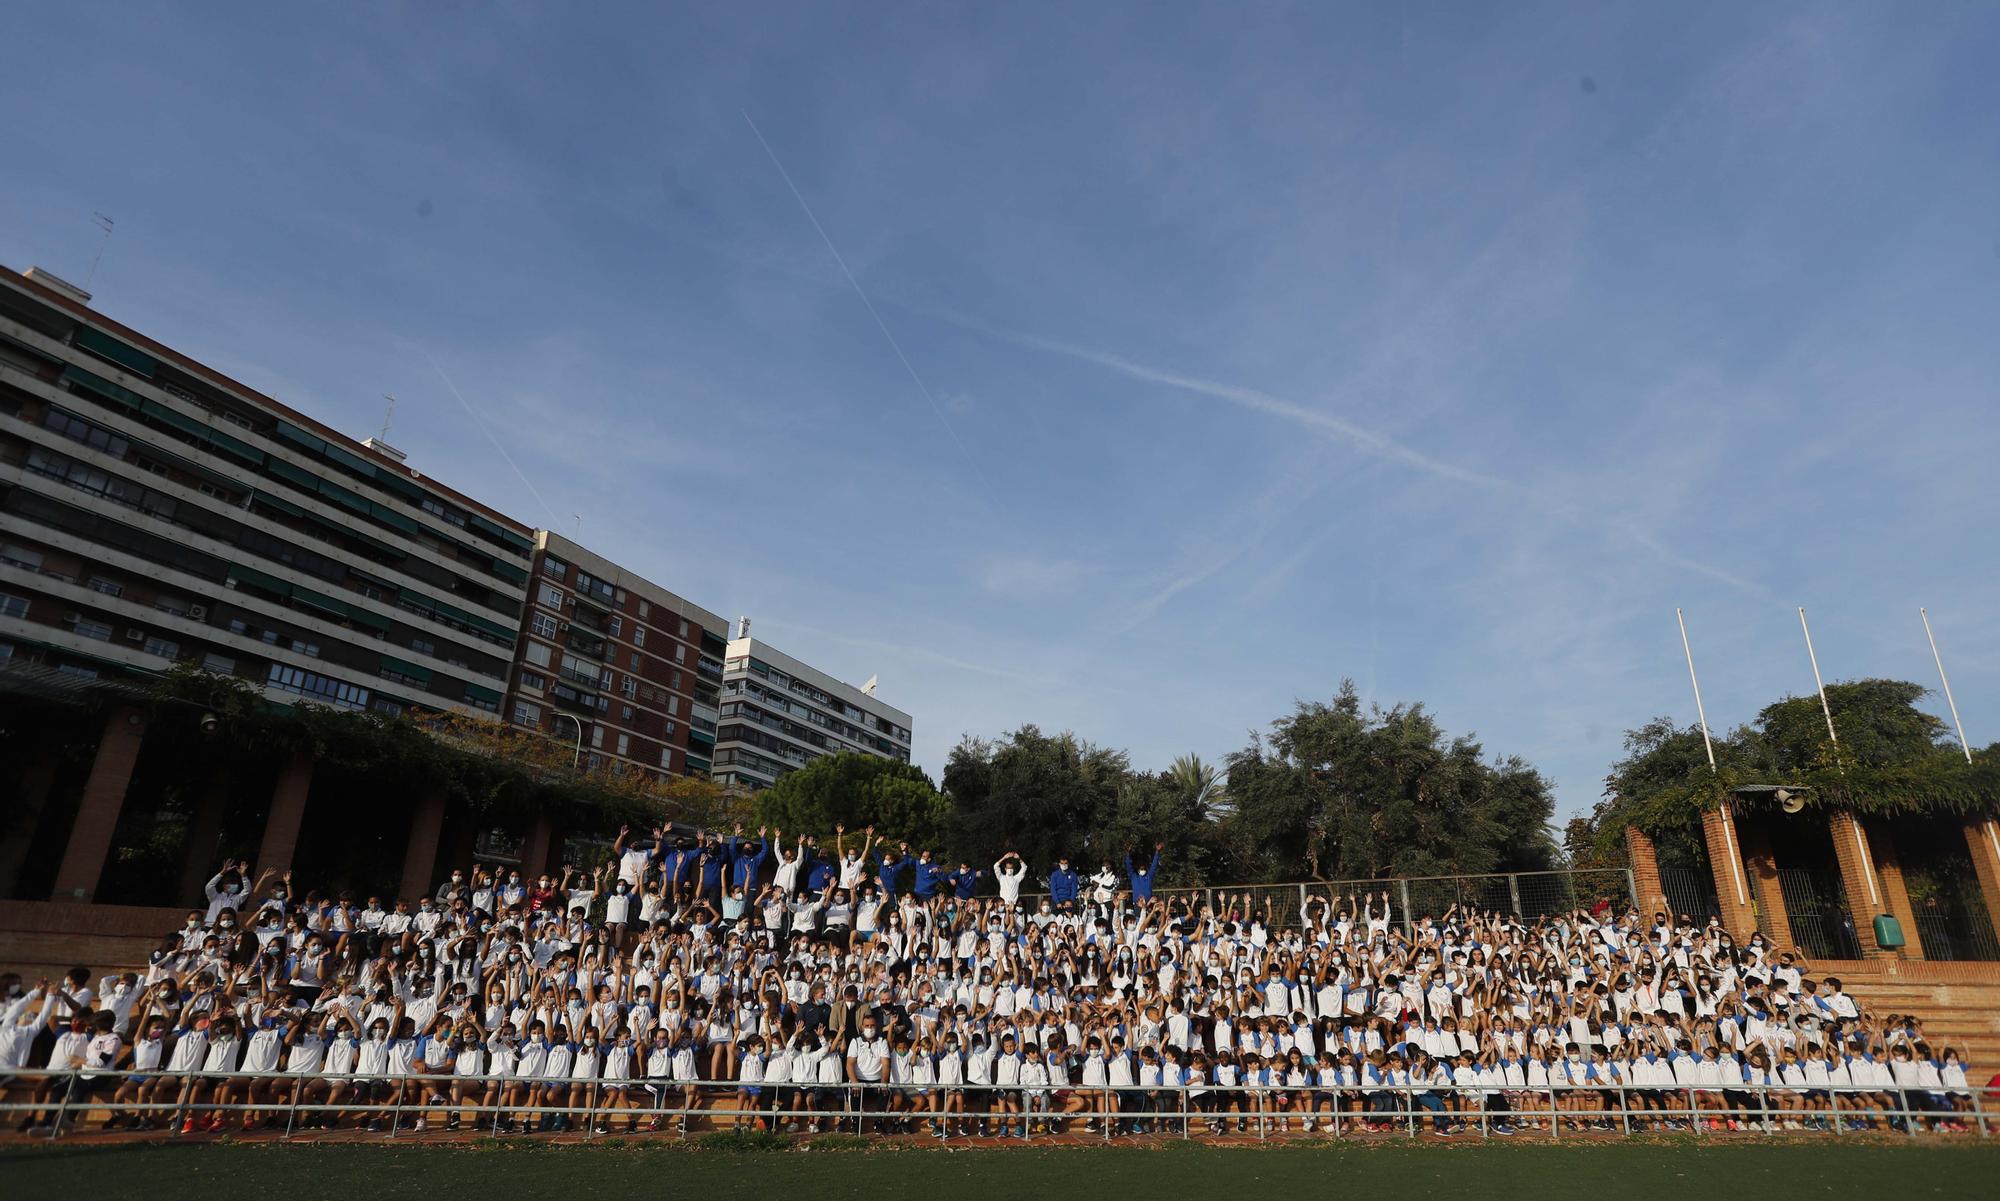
(866, 303)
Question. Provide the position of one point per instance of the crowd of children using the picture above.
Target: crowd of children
(741, 980)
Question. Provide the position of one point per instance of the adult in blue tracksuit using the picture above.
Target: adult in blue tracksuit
(677, 865)
(930, 874)
(1142, 877)
(1062, 884)
(746, 859)
(889, 865)
(963, 881)
(709, 865)
(820, 870)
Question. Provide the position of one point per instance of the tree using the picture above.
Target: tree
(856, 791)
(1336, 792)
(1892, 758)
(1042, 796)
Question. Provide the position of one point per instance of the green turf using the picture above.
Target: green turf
(1790, 1171)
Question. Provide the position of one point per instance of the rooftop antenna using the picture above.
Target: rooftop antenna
(388, 415)
(579, 527)
(104, 223)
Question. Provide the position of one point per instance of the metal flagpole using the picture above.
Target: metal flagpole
(1700, 712)
(1728, 819)
(1820, 684)
(1860, 843)
(1939, 660)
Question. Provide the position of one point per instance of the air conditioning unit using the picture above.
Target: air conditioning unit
(72, 617)
(135, 634)
(198, 612)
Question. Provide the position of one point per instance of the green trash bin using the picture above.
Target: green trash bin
(1888, 932)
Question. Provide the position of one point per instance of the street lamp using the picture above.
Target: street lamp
(578, 757)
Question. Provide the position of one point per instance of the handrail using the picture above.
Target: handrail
(1110, 1110)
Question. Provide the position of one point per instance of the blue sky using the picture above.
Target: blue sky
(1248, 347)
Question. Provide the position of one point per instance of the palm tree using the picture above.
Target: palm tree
(1190, 774)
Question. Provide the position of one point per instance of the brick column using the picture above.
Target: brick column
(535, 849)
(1982, 838)
(420, 859)
(97, 811)
(36, 780)
(1725, 862)
(198, 862)
(1774, 918)
(1889, 871)
(1644, 859)
(1863, 883)
(288, 812)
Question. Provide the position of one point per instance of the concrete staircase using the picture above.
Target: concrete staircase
(1959, 1002)
(47, 938)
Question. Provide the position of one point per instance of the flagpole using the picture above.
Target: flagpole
(1860, 841)
(1728, 818)
(1699, 710)
(1963, 746)
(1820, 684)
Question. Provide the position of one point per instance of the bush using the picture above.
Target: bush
(743, 1140)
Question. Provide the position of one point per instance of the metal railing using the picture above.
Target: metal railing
(1526, 895)
(399, 1105)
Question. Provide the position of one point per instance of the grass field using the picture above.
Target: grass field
(1791, 1170)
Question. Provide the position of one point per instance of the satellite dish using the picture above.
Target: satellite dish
(1789, 801)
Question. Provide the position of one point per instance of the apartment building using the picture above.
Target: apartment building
(154, 511)
(626, 669)
(779, 714)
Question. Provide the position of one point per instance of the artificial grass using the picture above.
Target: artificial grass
(1796, 1169)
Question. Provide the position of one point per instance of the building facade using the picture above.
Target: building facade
(779, 714)
(621, 666)
(154, 511)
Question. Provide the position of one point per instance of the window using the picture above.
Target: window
(215, 490)
(645, 610)
(109, 588)
(13, 606)
(156, 645)
(620, 596)
(624, 744)
(676, 681)
(71, 669)
(534, 681)
(673, 704)
(538, 653)
(680, 653)
(684, 627)
(542, 625)
(553, 567)
(667, 757)
(635, 660)
(423, 646)
(21, 556)
(617, 625)
(671, 727)
(221, 665)
(597, 736)
(625, 712)
(93, 629)
(638, 635)
(552, 596)
(317, 687)
(527, 714)
(630, 688)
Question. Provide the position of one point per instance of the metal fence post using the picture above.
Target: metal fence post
(1403, 887)
(1632, 888)
(1514, 893)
